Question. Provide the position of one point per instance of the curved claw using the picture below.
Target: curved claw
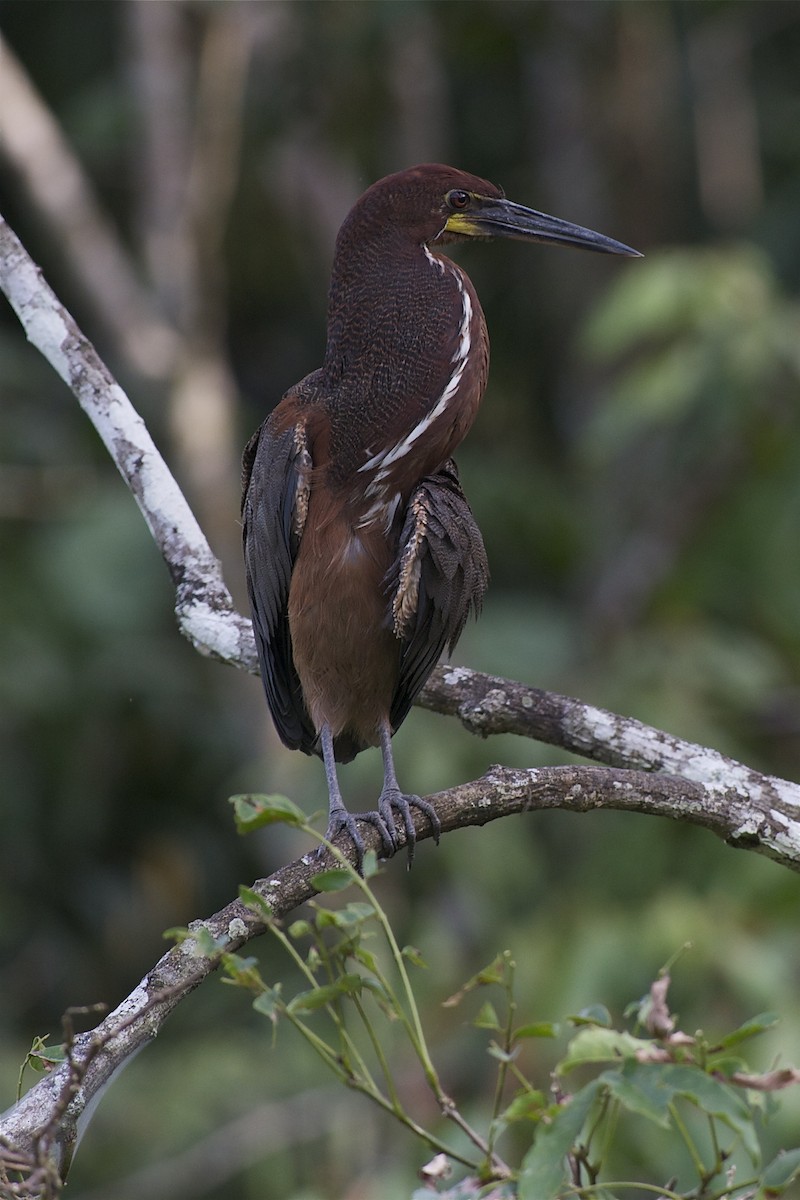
(393, 800)
(341, 821)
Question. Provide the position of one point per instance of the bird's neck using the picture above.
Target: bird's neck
(383, 295)
(405, 365)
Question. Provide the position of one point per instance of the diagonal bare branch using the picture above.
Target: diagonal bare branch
(204, 608)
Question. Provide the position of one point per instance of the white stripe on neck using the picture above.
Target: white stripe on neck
(385, 458)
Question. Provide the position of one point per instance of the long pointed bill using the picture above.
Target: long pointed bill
(502, 218)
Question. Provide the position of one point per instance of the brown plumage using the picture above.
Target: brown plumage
(362, 555)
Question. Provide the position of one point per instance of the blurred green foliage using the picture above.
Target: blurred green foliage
(634, 471)
(575, 1126)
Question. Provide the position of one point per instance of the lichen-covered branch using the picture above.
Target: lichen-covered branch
(764, 810)
(48, 1121)
(203, 603)
(43, 1129)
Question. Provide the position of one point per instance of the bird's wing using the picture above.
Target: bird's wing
(276, 470)
(440, 574)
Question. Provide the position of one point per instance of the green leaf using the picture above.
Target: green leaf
(501, 1054)
(354, 914)
(237, 964)
(268, 1003)
(42, 1057)
(252, 811)
(367, 959)
(177, 934)
(370, 866)
(649, 1089)
(526, 1106)
(544, 1169)
(487, 1017)
(206, 945)
(333, 880)
(595, 1014)
(596, 1045)
(347, 921)
(313, 959)
(315, 998)
(537, 1029)
(382, 996)
(720, 1100)
(726, 1065)
(325, 919)
(751, 1028)
(776, 1177)
(242, 972)
(640, 1089)
(299, 929)
(256, 903)
(494, 973)
(413, 955)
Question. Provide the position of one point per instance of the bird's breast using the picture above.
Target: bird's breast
(344, 651)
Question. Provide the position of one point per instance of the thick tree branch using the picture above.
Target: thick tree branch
(49, 1119)
(203, 603)
(764, 811)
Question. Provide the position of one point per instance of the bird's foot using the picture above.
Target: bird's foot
(392, 801)
(341, 821)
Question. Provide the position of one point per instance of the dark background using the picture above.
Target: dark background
(635, 470)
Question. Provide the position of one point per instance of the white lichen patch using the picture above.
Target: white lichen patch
(748, 829)
(133, 1003)
(237, 928)
(493, 702)
(654, 749)
(507, 783)
(637, 742)
(786, 845)
(785, 838)
(598, 722)
(210, 631)
(455, 675)
(47, 330)
(788, 793)
(188, 947)
(715, 771)
(33, 302)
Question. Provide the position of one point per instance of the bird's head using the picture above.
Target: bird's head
(435, 204)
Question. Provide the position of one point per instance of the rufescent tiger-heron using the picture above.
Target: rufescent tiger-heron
(362, 555)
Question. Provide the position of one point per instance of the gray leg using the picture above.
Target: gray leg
(339, 819)
(392, 800)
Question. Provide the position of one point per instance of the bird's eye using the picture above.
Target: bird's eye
(458, 200)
